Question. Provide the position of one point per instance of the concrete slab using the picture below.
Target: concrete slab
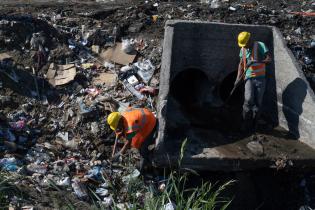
(198, 70)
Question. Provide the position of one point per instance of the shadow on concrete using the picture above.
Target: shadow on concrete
(292, 98)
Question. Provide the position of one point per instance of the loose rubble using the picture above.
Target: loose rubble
(64, 70)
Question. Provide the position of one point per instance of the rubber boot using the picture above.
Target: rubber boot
(145, 168)
(247, 122)
(256, 116)
(255, 122)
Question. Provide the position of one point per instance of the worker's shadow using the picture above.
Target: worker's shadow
(292, 98)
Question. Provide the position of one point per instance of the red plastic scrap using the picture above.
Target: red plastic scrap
(307, 14)
(149, 90)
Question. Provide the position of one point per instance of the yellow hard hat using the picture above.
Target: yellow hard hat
(243, 38)
(113, 120)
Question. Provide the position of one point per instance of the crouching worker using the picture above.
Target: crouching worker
(137, 126)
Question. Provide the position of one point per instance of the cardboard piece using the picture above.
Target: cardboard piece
(107, 78)
(4, 56)
(61, 74)
(117, 55)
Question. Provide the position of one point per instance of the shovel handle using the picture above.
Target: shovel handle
(115, 144)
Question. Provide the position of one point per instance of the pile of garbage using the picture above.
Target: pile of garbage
(64, 70)
(56, 101)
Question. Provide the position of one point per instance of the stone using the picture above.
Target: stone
(255, 147)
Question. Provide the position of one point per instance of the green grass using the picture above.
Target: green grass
(205, 196)
(178, 191)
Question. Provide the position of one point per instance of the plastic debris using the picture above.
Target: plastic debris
(63, 135)
(215, 4)
(95, 173)
(79, 189)
(127, 46)
(9, 164)
(64, 182)
(19, 125)
(35, 168)
(135, 174)
(125, 68)
(132, 80)
(145, 70)
(107, 202)
(94, 127)
(102, 192)
(133, 90)
(169, 206)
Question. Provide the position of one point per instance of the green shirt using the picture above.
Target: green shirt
(262, 50)
(129, 136)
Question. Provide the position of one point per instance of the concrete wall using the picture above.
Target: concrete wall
(295, 98)
(212, 48)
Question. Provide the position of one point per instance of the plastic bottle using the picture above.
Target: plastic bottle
(9, 164)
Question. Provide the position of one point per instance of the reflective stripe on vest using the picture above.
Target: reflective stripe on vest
(244, 58)
(256, 69)
(137, 127)
(141, 121)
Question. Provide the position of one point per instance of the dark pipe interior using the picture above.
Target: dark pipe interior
(189, 88)
(196, 95)
(226, 87)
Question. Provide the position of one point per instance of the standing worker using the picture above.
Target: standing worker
(138, 128)
(254, 56)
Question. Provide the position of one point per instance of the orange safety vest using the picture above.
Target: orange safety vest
(141, 121)
(256, 69)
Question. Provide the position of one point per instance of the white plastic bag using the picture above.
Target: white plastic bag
(127, 46)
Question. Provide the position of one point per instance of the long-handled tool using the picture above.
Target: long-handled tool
(239, 81)
(236, 85)
(115, 144)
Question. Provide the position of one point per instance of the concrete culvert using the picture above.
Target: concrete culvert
(198, 71)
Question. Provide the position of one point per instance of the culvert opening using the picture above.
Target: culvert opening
(190, 88)
(203, 102)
